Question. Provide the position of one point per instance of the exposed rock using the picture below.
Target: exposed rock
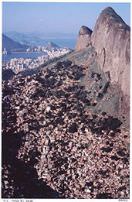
(108, 56)
(83, 38)
(111, 39)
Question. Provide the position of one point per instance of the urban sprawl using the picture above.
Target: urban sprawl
(20, 64)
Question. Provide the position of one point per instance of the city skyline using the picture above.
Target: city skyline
(55, 17)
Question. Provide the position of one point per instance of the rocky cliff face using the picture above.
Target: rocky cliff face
(111, 39)
(108, 53)
(84, 38)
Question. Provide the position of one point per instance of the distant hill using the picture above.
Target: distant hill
(52, 45)
(42, 39)
(24, 38)
(12, 45)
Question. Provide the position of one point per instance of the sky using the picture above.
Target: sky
(55, 17)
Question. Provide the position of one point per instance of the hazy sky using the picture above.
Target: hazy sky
(56, 17)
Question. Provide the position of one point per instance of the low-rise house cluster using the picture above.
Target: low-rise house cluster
(20, 64)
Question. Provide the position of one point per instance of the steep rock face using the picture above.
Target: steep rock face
(84, 38)
(111, 39)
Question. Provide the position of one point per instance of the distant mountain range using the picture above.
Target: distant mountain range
(26, 39)
(11, 45)
(42, 39)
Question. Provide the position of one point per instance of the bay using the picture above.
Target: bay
(67, 42)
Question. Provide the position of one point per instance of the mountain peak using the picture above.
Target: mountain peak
(85, 30)
(109, 15)
(108, 10)
(84, 38)
(111, 39)
(52, 45)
